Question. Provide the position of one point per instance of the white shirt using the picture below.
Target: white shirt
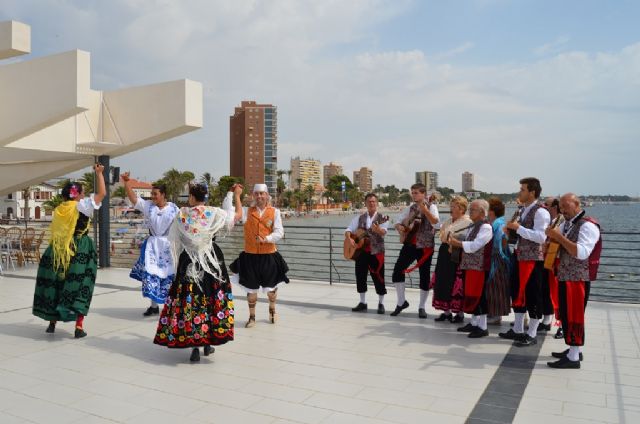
(484, 236)
(541, 221)
(353, 226)
(158, 220)
(405, 213)
(87, 205)
(587, 237)
(278, 229)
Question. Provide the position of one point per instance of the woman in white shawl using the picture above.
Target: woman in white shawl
(199, 308)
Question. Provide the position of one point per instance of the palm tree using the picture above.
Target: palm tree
(88, 182)
(119, 192)
(309, 191)
(175, 182)
(53, 203)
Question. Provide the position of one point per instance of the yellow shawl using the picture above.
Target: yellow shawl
(63, 226)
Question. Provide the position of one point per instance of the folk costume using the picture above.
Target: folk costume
(260, 267)
(418, 248)
(574, 286)
(370, 259)
(498, 300)
(199, 307)
(526, 280)
(447, 281)
(155, 267)
(67, 271)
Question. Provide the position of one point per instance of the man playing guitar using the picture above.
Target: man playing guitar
(416, 228)
(371, 257)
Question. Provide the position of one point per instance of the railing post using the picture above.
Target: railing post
(330, 256)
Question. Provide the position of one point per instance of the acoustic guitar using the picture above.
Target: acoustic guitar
(412, 222)
(361, 240)
(552, 248)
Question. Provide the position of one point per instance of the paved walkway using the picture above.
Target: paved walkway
(320, 363)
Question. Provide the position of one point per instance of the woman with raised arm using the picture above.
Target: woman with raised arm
(199, 307)
(155, 267)
(67, 271)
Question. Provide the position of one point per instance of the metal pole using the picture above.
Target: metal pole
(103, 213)
(330, 256)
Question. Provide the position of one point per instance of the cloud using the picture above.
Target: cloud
(553, 47)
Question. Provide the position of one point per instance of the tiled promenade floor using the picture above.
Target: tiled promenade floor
(320, 363)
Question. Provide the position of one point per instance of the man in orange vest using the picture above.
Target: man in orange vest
(260, 266)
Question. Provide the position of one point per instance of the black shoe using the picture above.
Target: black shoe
(457, 319)
(559, 334)
(208, 350)
(399, 309)
(151, 311)
(195, 355)
(79, 333)
(544, 327)
(443, 317)
(564, 363)
(422, 313)
(360, 307)
(467, 328)
(51, 328)
(476, 333)
(380, 308)
(563, 354)
(525, 341)
(511, 335)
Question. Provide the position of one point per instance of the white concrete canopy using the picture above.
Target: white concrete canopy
(15, 39)
(53, 123)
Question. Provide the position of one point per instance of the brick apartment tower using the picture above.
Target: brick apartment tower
(253, 146)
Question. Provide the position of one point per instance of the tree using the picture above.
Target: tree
(53, 203)
(88, 182)
(334, 187)
(308, 193)
(224, 184)
(175, 181)
(119, 192)
(447, 193)
(208, 180)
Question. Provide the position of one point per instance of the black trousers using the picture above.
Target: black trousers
(483, 304)
(374, 266)
(408, 254)
(533, 291)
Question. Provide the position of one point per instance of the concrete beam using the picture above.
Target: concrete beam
(15, 39)
(20, 175)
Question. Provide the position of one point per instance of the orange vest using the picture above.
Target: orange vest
(256, 226)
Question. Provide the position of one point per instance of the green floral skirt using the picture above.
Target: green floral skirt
(62, 297)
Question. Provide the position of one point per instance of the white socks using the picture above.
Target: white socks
(363, 298)
(518, 325)
(533, 327)
(154, 304)
(423, 299)
(481, 321)
(574, 353)
(474, 320)
(400, 293)
(381, 299)
(547, 319)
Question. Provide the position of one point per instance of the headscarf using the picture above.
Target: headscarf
(63, 226)
(498, 235)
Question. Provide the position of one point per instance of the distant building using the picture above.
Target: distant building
(141, 188)
(329, 171)
(429, 179)
(305, 170)
(363, 179)
(467, 182)
(253, 144)
(14, 205)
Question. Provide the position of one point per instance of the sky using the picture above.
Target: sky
(503, 89)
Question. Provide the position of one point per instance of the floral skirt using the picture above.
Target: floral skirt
(62, 297)
(197, 313)
(153, 287)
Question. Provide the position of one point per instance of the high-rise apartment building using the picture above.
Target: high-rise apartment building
(363, 179)
(429, 179)
(467, 181)
(304, 172)
(253, 144)
(329, 171)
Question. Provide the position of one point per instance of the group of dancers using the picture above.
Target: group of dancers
(487, 266)
(180, 265)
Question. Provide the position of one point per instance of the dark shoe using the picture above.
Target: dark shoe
(457, 319)
(273, 317)
(208, 350)
(467, 328)
(51, 328)
(195, 355)
(443, 317)
(563, 354)
(79, 333)
(525, 341)
(476, 333)
(544, 327)
(360, 307)
(399, 309)
(251, 322)
(422, 313)
(564, 363)
(151, 311)
(510, 335)
(380, 308)
(559, 334)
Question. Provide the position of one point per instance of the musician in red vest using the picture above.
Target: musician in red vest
(371, 257)
(260, 267)
(416, 225)
(577, 237)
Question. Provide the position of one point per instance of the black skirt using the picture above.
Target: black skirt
(260, 271)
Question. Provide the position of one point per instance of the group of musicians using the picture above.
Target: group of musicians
(558, 227)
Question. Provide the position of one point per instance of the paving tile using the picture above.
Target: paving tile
(398, 414)
(290, 411)
(107, 408)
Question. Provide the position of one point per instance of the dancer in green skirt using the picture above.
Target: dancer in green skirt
(67, 270)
